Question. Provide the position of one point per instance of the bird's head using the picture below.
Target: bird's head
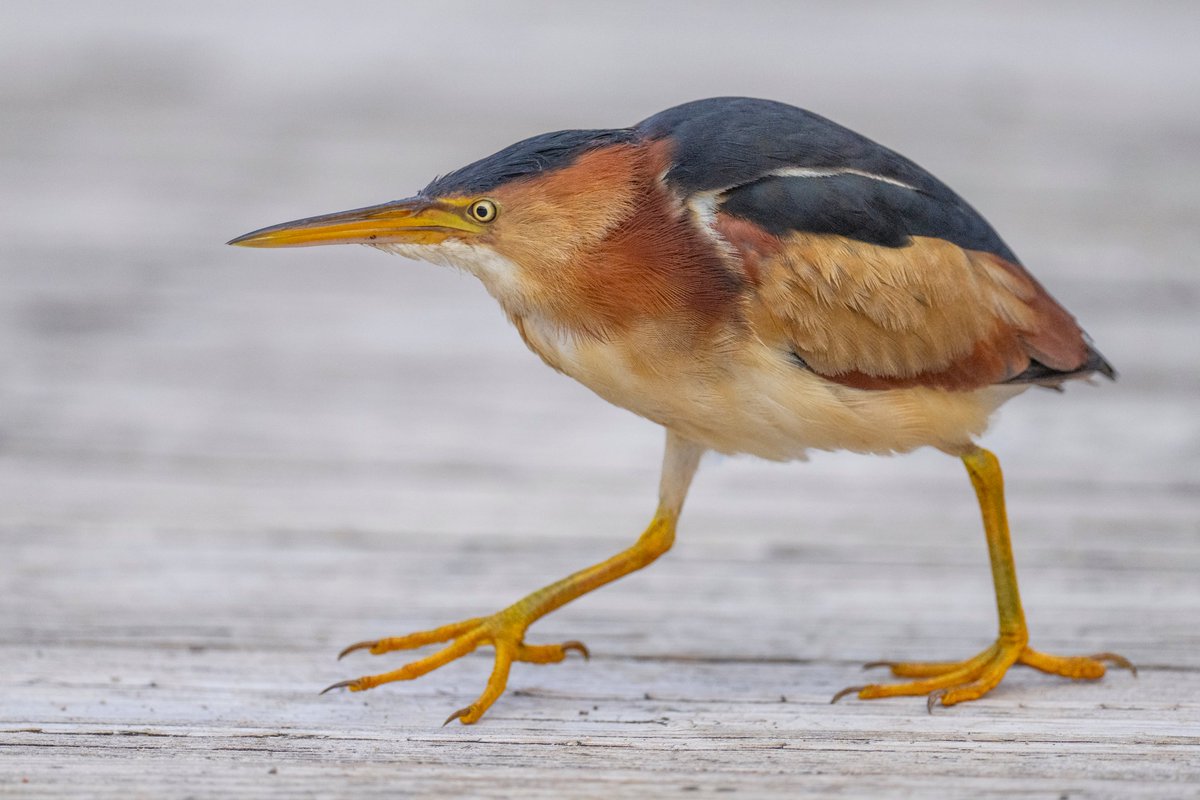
(551, 224)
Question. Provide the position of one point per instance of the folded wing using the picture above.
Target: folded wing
(866, 269)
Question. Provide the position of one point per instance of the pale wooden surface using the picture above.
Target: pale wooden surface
(218, 467)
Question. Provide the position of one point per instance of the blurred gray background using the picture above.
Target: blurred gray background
(159, 389)
(145, 364)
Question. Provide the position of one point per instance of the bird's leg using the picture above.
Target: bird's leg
(505, 630)
(951, 682)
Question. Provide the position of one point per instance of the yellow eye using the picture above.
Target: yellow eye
(482, 211)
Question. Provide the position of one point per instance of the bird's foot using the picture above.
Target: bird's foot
(950, 682)
(505, 631)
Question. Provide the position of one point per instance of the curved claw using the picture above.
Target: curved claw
(846, 691)
(1116, 660)
(351, 685)
(875, 664)
(357, 646)
(581, 648)
(461, 713)
(933, 699)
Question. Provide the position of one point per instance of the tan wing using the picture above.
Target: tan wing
(930, 313)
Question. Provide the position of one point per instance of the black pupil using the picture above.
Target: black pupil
(482, 211)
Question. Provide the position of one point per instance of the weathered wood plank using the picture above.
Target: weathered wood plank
(217, 468)
(729, 683)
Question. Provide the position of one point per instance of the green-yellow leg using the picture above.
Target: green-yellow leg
(505, 630)
(955, 682)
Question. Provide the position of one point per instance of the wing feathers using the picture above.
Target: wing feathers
(858, 205)
(929, 314)
(860, 264)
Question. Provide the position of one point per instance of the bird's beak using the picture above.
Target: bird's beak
(413, 221)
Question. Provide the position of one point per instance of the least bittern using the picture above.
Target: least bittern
(756, 279)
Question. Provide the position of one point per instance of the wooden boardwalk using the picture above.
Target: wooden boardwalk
(219, 467)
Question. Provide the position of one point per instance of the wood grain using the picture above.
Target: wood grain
(219, 467)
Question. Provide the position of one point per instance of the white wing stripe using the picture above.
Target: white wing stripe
(813, 172)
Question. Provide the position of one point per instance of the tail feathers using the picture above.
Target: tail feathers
(1042, 375)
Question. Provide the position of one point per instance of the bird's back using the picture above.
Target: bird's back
(876, 272)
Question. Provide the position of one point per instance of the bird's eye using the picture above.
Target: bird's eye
(482, 211)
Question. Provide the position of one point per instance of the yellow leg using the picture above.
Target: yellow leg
(956, 682)
(505, 630)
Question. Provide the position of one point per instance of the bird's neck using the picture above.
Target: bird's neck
(649, 261)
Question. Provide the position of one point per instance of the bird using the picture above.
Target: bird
(758, 280)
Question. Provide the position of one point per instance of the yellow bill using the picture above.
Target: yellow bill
(412, 221)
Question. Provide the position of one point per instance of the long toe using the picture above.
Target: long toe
(949, 683)
(965, 673)
(504, 631)
(932, 669)
(1080, 668)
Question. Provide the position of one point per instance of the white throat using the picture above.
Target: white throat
(499, 275)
